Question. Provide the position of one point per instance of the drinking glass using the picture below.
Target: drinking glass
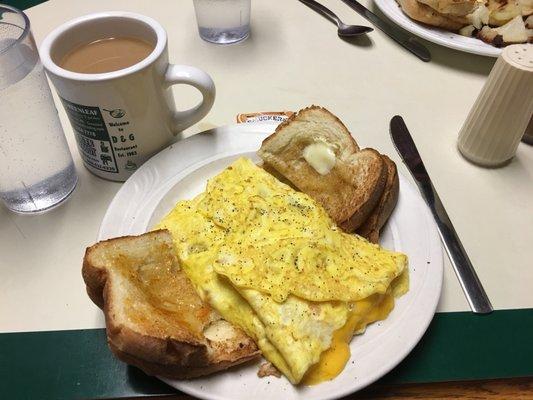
(223, 21)
(36, 168)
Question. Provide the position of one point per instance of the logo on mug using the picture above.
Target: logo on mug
(116, 113)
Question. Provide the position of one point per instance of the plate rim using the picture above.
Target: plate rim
(426, 33)
(265, 128)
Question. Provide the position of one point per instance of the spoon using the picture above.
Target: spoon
(343, 29)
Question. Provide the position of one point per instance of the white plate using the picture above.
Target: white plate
(440, 36)
(181, 171)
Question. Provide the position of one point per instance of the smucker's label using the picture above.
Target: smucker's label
(274, 116)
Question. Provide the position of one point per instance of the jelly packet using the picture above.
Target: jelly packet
(267, 116)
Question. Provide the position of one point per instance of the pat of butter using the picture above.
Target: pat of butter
(320, 157)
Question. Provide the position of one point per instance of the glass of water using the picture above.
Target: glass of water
(36, 168)
(223, 21)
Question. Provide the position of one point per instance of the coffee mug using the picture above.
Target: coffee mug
(121, 118)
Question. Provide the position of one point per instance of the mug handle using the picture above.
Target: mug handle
(176, 74)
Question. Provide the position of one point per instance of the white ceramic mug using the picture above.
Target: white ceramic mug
(122, 118)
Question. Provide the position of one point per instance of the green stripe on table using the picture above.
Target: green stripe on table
(77, 364)
(466, 346)
(22, 4)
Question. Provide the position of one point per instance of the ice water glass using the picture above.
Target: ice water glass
(36, 168)
(223, 21)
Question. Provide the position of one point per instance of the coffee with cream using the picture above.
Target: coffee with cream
(106, 55)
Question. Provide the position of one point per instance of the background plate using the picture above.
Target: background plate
(440, 36)
(181, 171)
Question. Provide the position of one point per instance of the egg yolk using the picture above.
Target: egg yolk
(332, 361)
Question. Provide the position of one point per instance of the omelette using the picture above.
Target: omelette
(271, 261)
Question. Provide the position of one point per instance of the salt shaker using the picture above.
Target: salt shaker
(497, 121)
(528, 134)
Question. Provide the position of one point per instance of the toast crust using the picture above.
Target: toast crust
(371, 198)
(351, 189)
(371, 227)
(181, 352)
(352, 146)
(171, 371)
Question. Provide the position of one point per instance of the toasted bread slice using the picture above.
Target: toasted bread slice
(353, 184)
(155, 320)
(276, 174)
(459, 8)
(423, 13)
(371, 227)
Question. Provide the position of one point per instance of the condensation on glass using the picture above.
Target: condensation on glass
(36, 168)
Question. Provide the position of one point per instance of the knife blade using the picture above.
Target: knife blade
(470, 283)
(399, 36)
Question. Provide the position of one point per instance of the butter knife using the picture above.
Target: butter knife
(472, 287)
(405, 40)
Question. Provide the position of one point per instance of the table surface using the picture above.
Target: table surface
(517, 389)
(292, 59)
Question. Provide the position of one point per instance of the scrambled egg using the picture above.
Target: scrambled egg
(271, 261)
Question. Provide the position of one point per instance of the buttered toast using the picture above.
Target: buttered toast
(155, 319)
(376, 220)
(317, 154)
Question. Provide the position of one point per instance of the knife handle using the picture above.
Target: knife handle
(405, 40)
(415, 47)
(470, 283)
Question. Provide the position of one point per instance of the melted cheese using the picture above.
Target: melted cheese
(332, 361)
